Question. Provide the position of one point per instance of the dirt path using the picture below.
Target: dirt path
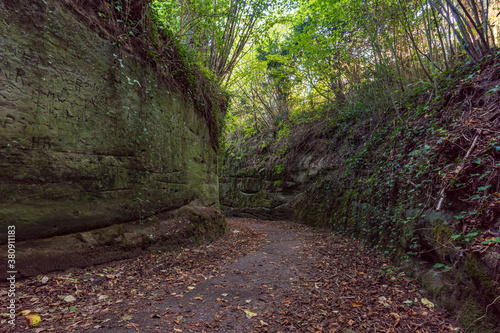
(256, 283)
(261, 277)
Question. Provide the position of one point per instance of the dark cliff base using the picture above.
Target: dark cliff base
(186, 227)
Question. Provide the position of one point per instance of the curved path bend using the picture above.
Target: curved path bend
(263, 276)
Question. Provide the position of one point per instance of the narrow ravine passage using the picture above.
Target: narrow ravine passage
(249, 294)
(262, 276)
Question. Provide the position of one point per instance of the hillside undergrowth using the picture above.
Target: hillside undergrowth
(421, 183)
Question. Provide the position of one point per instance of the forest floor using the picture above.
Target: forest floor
(262, 276)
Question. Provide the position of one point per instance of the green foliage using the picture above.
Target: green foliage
(215, 31)
(279, 168)
(352, 58)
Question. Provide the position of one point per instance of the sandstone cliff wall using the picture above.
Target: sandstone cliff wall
(90, 137)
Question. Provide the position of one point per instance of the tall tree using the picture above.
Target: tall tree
(217, 30)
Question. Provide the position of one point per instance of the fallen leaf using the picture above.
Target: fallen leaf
(396, 317)
(25, 312)
(33, 319)
(411, 313)
(70, 298)
(249, 314)
(126, 318)
(198, 298)
(427, 303)
(224, 295)
(357, 303)
(191, 288)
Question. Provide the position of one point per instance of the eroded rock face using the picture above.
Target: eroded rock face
(252, 192)
(91, 138)
(315, 191)
(186, 227)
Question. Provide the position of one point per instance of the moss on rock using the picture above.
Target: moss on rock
(91, 135)
(471, 312)
(479, 273)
